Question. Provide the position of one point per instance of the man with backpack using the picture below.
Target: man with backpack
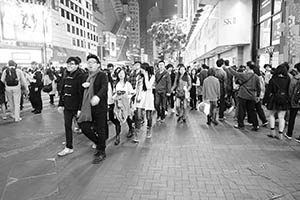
(294, 93)
(13, 79)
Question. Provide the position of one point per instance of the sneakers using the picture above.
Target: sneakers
(297, 139)
(65, 152)
(135, 138)
(94, 146)
(4, 117)
(129, 134)
(265, 124)
(230, 109)
(288, 137)
(17, 120)
(255, 128)
(238, 127)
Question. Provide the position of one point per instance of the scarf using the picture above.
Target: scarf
(86, 108)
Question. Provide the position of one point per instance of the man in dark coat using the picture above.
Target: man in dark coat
(35, 88)
(71, 99)
(93, 117)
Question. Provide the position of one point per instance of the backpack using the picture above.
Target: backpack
(295, 96)
(11, 78)
(281, 96)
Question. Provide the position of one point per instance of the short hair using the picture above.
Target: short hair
(76, 60)
(169, 66)
(297, 66)
(204, 66)
(137, 62)
(220, 62)
(94, 57)
(267, 65)
(280, 70)
(211, 72)
(251, 65)
(12, 63)
(226, 62)
(161, 61)
(110, 65)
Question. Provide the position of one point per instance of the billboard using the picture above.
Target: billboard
(24, 22)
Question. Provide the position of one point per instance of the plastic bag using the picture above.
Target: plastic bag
(204, 107)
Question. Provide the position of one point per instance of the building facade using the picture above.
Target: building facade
(219, 29)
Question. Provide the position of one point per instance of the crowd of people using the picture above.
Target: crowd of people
(92, 97)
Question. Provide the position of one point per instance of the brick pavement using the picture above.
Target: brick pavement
(185, 161)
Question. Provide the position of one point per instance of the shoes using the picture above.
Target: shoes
(162, 120)
(238, 127)
(129, 134)
(65, 152)
(255, 128)
(265, 124)
(17, 120)
(248, 124)
(179, 119)
(99, 156)
(297, 139)
(288, 137)
(4, 117)
(230, 109)
(33, 111)
(77, 130)
(208, 120)
(148, 134)
(117, 140)
(37, 112)
(215, 122)
(94, 146)
(135, 138)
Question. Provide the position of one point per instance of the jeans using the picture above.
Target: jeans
(149, 119)
(222, 106)
(68, 118)
(292, 117)
(249, 106)
(160, 104)
(212, 111)
(260, 112)
(14, 97)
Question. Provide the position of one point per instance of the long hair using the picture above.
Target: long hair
(118, 70)
(184, 76)
(281, 70)
(50, 73)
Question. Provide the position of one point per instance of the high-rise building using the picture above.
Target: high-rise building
(46, 31)
(134, 37)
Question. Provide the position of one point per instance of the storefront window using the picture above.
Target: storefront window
(276, 21)
(277, 6)
(265, 9)
(265, 31)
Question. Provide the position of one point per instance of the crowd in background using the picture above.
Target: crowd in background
(133, 94)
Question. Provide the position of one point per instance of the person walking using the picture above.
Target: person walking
(14, 80)
(193, 93)
(162, 90)
(70, 99)
(276, 98)
(35, 88)
(294, 92)
(50, 79)
(93, 116)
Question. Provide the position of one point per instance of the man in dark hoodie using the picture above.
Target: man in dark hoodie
(71, 99)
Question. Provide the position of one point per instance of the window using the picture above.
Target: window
(87, 15)
(80, 20)
(67, 3)
(68, 27)
(77, 20)
(73, 29)
(68, 14)
(88, 35)
(89, 45)
(81, 32)
(76, 8)
(77, 31)
(62, 12)
(80, 10)
(74, 42)
(81, 43)
(72, 5)
(72, 17)
(62, 1)
(78, 43)
(88, 25)
(87, 4)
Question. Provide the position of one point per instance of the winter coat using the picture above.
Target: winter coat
(72, 91)
(276, 83)
(162, 82)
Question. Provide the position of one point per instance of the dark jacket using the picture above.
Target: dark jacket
(163, 82)
(276, 83)
(100, 89)
(72, 90)
(293, 83)
(249, 84)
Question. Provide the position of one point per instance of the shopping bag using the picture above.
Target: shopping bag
(204, 107)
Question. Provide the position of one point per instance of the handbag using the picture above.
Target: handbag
(47, 88)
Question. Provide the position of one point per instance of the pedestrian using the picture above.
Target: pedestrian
(193, 92)
(2, 98)
(294, 92)
(202, 75)
(211, 93)
(70, 99)
(146, 95)
(50, 79)
(93, 117)
(276, 98)
(182, 87)
(248, 94)
(120, 111)
(35, 88)
(221, 75)
(162, 90)
(14, 80)
(171, 98)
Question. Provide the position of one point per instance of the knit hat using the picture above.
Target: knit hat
(94, 57)
(12, 63)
